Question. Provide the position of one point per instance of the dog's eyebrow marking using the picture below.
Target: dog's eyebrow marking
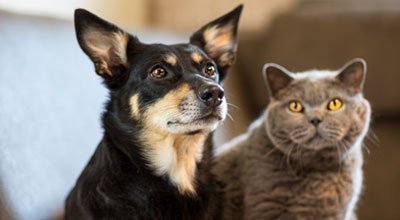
(196, 57)
(171, 59)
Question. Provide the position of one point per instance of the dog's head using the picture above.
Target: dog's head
(173, 88)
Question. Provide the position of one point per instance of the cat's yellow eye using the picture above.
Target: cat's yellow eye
(295, 106)
(335, 104)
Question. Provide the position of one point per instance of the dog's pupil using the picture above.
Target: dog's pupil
(158, 72)
(210, 70)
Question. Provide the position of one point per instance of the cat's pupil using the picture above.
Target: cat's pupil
(295, 106)
(335, 104)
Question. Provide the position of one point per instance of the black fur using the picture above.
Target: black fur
(117, 183)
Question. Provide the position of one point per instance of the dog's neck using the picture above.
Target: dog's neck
(174, 155)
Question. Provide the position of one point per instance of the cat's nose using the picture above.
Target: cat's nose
(315, 121)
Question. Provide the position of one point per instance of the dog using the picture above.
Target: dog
(165, 101)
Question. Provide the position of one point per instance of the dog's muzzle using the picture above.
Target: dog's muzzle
(211, 94)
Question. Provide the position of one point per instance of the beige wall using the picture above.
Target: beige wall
(126, 13)
(174, 15)
(185, 16)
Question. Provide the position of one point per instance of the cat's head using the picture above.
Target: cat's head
(315, 110)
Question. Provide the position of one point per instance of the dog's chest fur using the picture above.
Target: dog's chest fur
(175, 156)
(126, 187)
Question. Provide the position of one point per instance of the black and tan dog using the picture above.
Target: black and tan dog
(165, 100)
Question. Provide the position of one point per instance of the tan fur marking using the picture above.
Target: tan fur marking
(189, 151)
(100, 46)
(219, 39)
(134, 102)
(168, 153)
(223, 40)
(196, 57)
(171, 59)
(121, 43)
(167, 106)
(226, 59)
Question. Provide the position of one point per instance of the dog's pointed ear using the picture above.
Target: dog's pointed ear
(104, 43)
(352, 75)
(219, 39)
(276, 77)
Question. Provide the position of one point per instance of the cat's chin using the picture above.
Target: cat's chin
(318, 142)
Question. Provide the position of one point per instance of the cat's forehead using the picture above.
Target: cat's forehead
(314, 87)
(315, 75)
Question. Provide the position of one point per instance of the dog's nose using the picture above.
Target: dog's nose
(315, 121)
(211, 95)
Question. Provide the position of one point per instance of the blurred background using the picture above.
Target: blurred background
(51, 99)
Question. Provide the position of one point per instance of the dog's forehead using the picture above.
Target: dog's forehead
(183, 53)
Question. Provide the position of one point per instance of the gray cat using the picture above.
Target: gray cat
(302, 159)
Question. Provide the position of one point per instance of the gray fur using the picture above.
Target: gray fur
(287, 168)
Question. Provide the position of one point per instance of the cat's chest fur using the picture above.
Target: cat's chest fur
(272, 186)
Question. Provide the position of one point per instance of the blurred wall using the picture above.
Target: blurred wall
(181, 15)
(175, 15)
(126, 13)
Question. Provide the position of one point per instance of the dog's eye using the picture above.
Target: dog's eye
(158, 72)
(210, 70)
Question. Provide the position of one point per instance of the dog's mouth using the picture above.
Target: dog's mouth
(206, 119)
(191, 126)
(194, 117)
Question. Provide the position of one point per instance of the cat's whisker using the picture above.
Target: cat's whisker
(288, 160)
(339, 156)
(285, 155)
(299, 156)
(366, 149)
(269, 153)
(372, 137)
(346, 144)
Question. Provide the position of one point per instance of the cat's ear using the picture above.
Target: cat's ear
(276, 77)
(104, 43)
(219, 39)
(352, 75)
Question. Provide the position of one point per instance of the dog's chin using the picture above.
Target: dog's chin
(204, 124)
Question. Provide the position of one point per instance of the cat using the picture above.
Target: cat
(302, 159)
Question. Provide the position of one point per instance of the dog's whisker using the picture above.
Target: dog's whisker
(230, 116)
(232, 105)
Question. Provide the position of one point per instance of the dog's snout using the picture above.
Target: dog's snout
(211, 95)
